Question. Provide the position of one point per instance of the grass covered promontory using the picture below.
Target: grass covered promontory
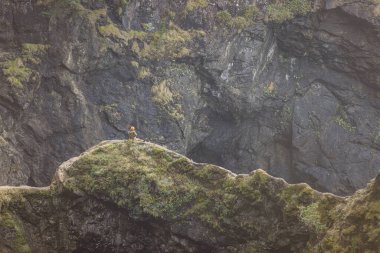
(149, 180)
(150, 198)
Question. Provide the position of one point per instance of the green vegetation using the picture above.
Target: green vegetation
(282, 11)
(13, 205)
(144, 73)
(270, 89)
(16, 70)
(113, 31)
(140, 184)
(162, 93)
(161, 184)
(111, 110)
(168, 42)
(110, 30)
(147, 27)
(297, 196)
(191, 5)
(17, 240)
(16, 198)
(226, 19)
(327, 207)
(135, 64)
(251, 12)
(311, 216)
(238, 22)
(32, 53)
(6, 197)
(94, 15)
(356, 229)
(167, 99)
(344, 123)
(3, 142)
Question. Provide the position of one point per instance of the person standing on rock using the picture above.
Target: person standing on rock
(132, 133)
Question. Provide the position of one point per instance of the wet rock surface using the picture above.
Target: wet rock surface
(298, 99)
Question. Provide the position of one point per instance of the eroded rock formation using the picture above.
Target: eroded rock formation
(124, 196)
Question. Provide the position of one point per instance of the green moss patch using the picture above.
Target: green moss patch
(169, 42)
(11, 223)
(296, 196)
(281, 11)
(238, 22)
(15, 203)
(17, 70)
(344, 123)
(192, 5)
(311, 216)
(356, 228)
(167, 99)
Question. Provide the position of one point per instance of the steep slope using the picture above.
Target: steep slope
(289, 88)
(123, 196)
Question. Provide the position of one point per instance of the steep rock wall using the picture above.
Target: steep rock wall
(297, 98)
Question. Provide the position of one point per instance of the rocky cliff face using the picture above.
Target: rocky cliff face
(124, 196)
(292, 89)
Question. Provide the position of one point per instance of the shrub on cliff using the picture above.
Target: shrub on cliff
(281, 11)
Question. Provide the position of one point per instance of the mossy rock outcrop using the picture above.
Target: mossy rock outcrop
(124, 196)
